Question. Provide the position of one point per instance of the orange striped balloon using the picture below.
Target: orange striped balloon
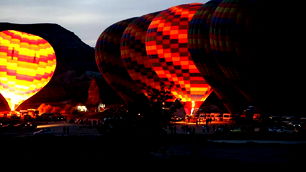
(27, 63)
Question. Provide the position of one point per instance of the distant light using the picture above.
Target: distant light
(82, 108)
(101, 105)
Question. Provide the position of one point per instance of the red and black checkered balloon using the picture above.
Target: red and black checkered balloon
(246, 50)
(167, 49)
(134, 56)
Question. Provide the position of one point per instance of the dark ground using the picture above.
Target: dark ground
(148, 152)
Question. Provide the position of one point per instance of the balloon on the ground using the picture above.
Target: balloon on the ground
(109, 62)
(135, 59)
(233, 46)
(167, 49)
(256, 48)
(201, 53)
(27, 63)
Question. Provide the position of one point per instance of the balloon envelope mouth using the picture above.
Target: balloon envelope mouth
(191, 107)
(13, 100)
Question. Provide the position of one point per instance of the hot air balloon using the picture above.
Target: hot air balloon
(135, 59)
(27, 63)
(167, 49)
(230, 24)
(255, 49)
(108, 59)
(200, 50)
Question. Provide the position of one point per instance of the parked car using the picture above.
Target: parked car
(176, 118)
(4, 126)
(58, 117)
(29, 125)
(51, 117)
(45, 117)
(235, 130)
(281, 129)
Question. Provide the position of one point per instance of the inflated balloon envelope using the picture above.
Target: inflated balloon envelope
(136, 61)
(108, 59)
(27, 63)
(167, 48)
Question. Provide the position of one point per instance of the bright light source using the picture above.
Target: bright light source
(82, 108)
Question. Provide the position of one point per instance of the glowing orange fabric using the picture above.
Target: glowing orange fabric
(27, 63)
(167, 48)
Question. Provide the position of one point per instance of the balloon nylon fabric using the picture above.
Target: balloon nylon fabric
(135, 59)
(109, 62)
(202, 54)
(232, 48)
(27, 63)
(167, 48)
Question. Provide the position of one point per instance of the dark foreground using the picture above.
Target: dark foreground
(149, 152)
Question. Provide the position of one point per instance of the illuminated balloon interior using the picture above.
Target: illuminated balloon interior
(167, 48)
(27, 63)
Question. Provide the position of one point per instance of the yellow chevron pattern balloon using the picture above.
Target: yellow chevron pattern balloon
(27, 63)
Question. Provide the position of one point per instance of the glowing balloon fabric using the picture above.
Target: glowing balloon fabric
(134, 56)
(235, 45)
(108, 59)
(167, 48)
(27, 63)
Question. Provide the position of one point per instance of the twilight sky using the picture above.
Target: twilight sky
(86, 18)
